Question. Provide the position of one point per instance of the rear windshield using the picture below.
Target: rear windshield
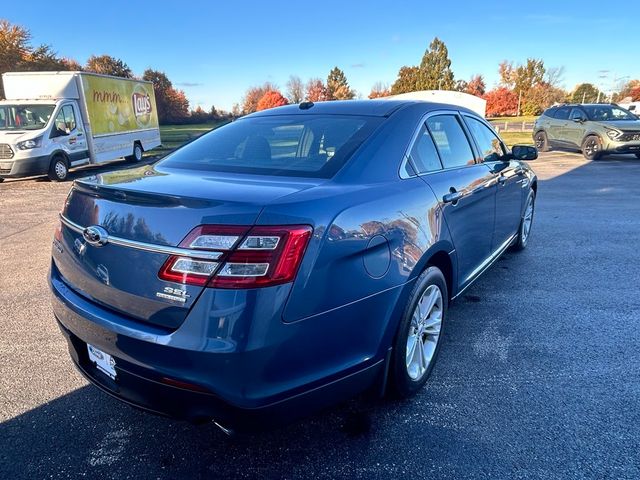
(289, 145)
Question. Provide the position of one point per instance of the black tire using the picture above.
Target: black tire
(59, 169)
(592, 147)
(136, 155)
(401, 383)
(541, 141)
(524, 234)
(1, 179)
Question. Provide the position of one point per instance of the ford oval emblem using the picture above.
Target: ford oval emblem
(95, 235)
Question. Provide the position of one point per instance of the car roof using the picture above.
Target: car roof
(376, 108)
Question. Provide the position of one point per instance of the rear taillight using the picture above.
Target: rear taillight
(249, 257)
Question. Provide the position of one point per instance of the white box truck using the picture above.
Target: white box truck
(52, 121)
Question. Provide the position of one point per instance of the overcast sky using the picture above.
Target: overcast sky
(215, 50)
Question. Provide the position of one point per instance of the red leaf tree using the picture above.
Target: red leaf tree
(271, 99)
(500, 102)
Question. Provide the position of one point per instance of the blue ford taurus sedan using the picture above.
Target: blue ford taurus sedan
(288, 260)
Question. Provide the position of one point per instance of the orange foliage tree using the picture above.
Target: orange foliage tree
(501, 101)
(271, 99)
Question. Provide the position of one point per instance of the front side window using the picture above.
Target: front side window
(576, 114)
(491, 148)
(290, 145)
(69, 118)
(450, 140)
(424, 154)
(562, 113)
(59, 123)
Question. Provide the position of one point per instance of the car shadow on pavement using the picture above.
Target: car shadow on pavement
(87, 433)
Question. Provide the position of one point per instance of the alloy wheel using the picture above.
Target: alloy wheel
(424, 332)
(527, 221)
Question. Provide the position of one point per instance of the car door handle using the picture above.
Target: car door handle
(502, 179)
(452, 197)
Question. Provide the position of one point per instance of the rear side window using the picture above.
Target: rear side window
(562, 113)
(450, 140)
(488, 142)
(424, 154)
(289, 145)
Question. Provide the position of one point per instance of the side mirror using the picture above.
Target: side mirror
(524, 152)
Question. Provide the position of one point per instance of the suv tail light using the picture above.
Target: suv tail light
(249, 257)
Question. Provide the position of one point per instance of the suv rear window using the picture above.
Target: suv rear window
(288, 145)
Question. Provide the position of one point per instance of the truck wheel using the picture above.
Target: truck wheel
(137, 153)
(1, 179)
(592, 148)
(59, 169)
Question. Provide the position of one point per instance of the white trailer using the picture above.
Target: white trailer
(477, 104)
(52, 121)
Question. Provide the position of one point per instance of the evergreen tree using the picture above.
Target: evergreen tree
(337, 86)
(435, 69)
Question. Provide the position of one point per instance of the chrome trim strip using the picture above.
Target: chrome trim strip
(484, 266)
(148, 247)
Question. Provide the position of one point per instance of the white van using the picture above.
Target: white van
(52, 121)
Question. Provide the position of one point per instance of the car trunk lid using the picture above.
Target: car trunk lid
(144, 213)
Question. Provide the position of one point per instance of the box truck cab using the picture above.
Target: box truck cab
(53, 121)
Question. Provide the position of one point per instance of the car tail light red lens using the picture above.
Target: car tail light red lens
(249, 257)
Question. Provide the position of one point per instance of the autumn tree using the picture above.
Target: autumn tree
(635, 93)
(585, 93)
(435, 68)
(108, 65)
(626, 90)
(337, 86)
(172, 104)
(271, 99)
(14, 45)
(295, 89)
(43, 58)
(506, 72)
(316, 91)
(528, 76)
(541, 97)
(379, 90)
(501, 101)
(253, 95)
(476, 86)
(406, 82)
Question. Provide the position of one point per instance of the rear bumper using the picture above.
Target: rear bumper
(245, 368)
(24, 167)
(159, 398)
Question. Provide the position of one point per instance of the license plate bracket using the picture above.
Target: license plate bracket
(103, 361)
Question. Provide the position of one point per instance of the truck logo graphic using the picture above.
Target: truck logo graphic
(141, 104)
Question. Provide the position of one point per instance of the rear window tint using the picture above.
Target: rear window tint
(289, 145)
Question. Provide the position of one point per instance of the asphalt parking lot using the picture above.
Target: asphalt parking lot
(538, 377)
